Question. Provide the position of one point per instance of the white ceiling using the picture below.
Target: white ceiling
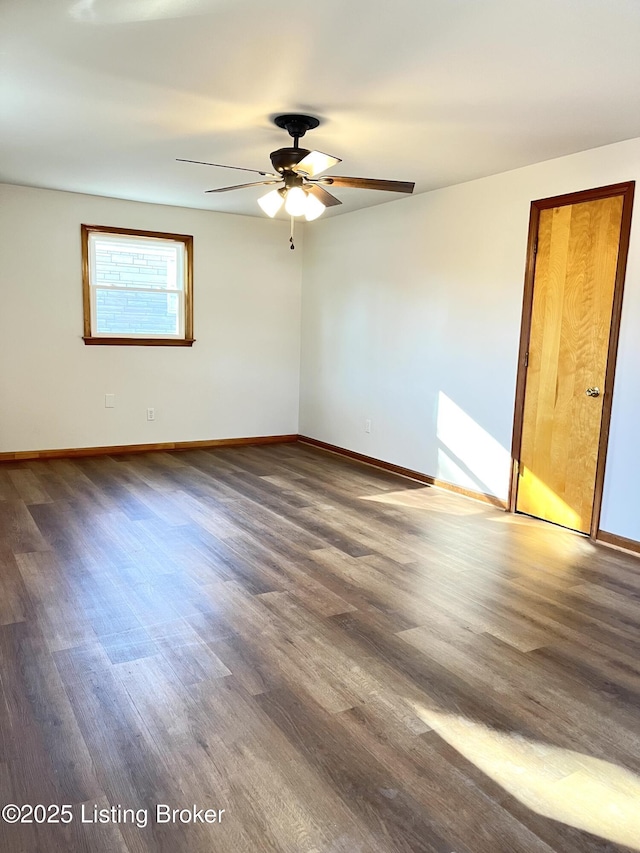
(100, 96)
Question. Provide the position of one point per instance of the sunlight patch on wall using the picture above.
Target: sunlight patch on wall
(469, 455)
(588, 793)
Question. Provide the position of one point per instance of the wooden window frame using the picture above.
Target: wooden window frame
(89, 339)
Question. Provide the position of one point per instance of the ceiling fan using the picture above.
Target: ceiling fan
(300, 191)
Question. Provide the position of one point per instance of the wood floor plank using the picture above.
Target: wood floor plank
(54, 599)
(28, 488)
(49, 759)
(18, 532)
(128, 764)
(15, 603)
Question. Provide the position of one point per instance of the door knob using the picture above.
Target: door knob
(592, 392)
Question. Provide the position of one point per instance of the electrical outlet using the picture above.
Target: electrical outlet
(151, 414)
(367, 425)
(109, 401)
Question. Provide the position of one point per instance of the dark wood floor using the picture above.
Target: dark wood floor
(341, 659)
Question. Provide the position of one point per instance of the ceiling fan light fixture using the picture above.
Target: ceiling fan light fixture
(271, 202)
(296, 201)
(314, 208)
(315, 162)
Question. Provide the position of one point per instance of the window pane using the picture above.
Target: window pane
(146, 313)
(137, 263)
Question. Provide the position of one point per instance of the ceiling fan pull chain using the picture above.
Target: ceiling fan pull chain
(292, 246)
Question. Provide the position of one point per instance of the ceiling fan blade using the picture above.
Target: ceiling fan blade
(222, 166)
(322, 195)
(369, 184)
(241, 186)
(315, 162)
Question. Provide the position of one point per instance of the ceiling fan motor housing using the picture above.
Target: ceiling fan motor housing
(286, 159)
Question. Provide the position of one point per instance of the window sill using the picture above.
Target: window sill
(139, 342)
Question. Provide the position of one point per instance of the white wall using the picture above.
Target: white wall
(411, 317)
(240, 378)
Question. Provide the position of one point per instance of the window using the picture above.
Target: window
(137, 287)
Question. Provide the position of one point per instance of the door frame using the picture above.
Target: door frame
(626, 190)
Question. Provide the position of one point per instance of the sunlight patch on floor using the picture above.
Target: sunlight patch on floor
(588, 793)
(424, 499)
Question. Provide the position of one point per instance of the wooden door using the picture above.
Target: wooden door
(577, 253)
